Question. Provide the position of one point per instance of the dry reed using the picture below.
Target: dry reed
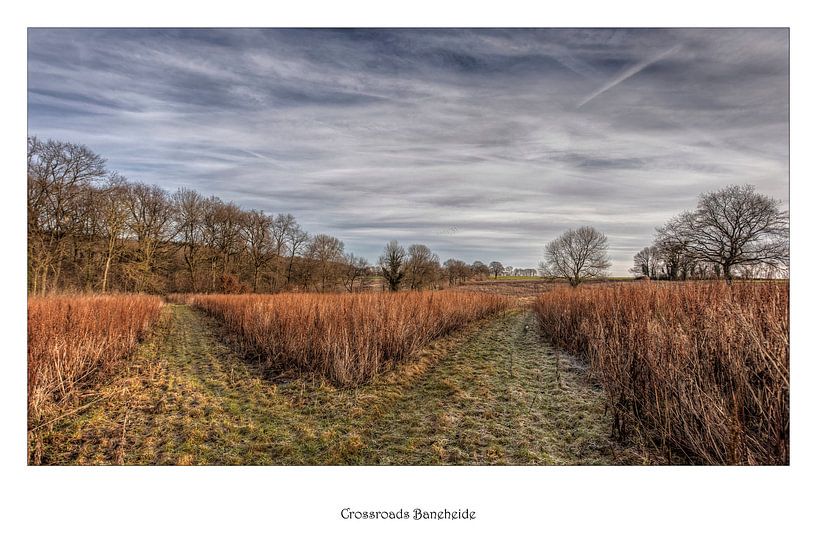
(703, 368)
(346, 338)
(74, 338)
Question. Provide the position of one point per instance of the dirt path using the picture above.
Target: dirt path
(490, 394)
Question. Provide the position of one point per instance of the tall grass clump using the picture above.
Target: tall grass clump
(702, 368)
(346, 338)
(72, 339)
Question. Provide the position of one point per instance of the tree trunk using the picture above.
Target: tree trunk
(727, 273)
(191, 269)
(108, 261)
(105, 274)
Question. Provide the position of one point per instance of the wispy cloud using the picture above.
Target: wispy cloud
(628, 73)
(466, 140)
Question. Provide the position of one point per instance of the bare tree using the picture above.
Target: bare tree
(496, 268)
(84, 249)
(577, 255)
(283, 225)
(189, 206)
(392, 264)
(230, 230)
(456, 271)
(737, 226)
(354, 270)
(257, 229)
(113, 212)
(673, 243)
(149, 221)
(422, 266)
(296, 239)
(480, 270)
(58, 174)
(222, 226)
(326, 254)
(647, 262)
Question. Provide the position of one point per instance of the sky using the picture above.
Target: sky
(483, 144)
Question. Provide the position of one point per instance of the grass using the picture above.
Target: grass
(488, 394)
(701, 368)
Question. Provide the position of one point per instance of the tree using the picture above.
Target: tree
(59, 173)
(392, 264)
(296, 239)
(480, 269)
(113, 214)
(222, 227)
(496, 268)
(326, 254)
(86, 242)
(737, 226)
(150, 213)
(282, 226)
(354, 270)
(456, 271)
(189, 206)
(577, 255)
(257, 229)
(422, 266)
(647, 262)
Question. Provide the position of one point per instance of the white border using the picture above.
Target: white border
(285, 506)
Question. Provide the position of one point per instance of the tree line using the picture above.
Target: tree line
(91, 229)
(733, 232)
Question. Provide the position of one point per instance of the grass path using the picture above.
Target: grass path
(490, 394)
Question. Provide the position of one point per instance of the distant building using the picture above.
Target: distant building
(524, 272)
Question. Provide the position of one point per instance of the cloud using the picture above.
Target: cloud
(466, 140)
(629, 73)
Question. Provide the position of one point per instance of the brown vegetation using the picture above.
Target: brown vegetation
(347, 338)
(703, 368)
(512, 288)
(72, 339)
(490, 393)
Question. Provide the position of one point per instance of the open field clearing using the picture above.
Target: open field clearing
(700, 368)
(683, 373)
(513, 288)
(488, 394)
(74, 340)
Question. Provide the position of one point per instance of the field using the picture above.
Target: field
(521, 289)
(74, 342)
(348, 339)
(493, 372)
(701, 369)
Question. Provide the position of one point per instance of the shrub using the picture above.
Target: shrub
(703, 368)
(347, 338)
(73, 339)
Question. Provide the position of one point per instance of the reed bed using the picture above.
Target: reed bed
(75, 338)
(347, 338)
(701, 368)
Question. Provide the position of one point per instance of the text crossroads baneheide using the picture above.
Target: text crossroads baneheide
(415, 514)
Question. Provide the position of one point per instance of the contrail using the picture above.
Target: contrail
(257, 155)
(632, 71)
